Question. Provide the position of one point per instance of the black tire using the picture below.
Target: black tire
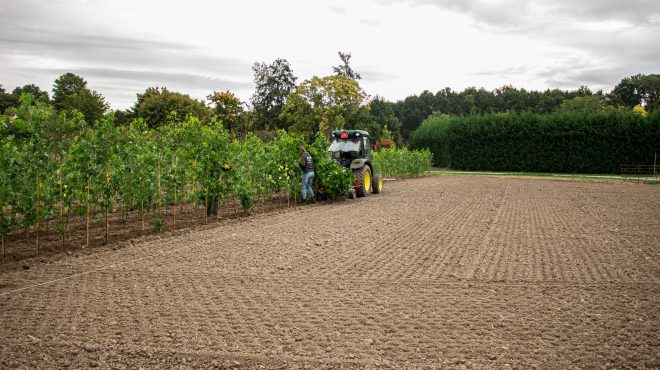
(351, 193)
(362, 189)
(377, 185)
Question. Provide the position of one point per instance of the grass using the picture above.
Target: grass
(545, 175)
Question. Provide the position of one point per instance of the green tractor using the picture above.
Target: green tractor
(352, 149)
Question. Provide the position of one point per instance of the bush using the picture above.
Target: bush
(569, 142)
(432, 135)
(332, 179)
(402, 162)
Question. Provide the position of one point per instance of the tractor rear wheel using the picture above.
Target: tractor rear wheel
(363, 181)
(377, 186)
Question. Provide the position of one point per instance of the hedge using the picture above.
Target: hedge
(559, 142)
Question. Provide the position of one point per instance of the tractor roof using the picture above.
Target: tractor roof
(350, 133)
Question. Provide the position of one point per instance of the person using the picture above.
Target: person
(307, 166)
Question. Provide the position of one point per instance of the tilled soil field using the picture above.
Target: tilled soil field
(438, 272)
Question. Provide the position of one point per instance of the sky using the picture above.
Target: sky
(400, 47)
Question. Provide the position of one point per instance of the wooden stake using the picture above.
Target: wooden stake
(89, 185)
(107, 206)
(38, 190)
(62, 227)
(158, 183)
(206, 206)
(174, 209)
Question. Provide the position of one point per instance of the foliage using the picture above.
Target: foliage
(414, 109)
(568, 142)
(323, 104)
(55, 166)
(332, 179)
(70, 93)
(345, 69)
(401, 162)
(584, 104)
(155, 105)
(637, 89)
(384, 116)
(31, 89)
(227, 108)
(7, 100)
(432, 135)
(273, 84)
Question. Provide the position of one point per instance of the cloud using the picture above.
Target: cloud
(517, 14)
(369, 22)
(601, 41)
(370, 75)
(339, 9)
(153, 78)
(37, 43)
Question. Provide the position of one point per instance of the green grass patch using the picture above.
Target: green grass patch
(545, 175)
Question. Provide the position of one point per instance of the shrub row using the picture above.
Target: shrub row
(54, 167)
(559, 142)
(401, 162)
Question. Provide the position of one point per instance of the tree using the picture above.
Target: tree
(7, 100)
(345, 69)
(228, 108)
(31, 89)
(123, 117)
(70, 93)
(584, 104)
(637, 89)
(383, 115)
(273, 84)
(323, 104)
(413, 110)
(155, 105)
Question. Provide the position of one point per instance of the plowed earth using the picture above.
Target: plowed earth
(438, 272)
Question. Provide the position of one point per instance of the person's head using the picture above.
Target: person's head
(302, 149)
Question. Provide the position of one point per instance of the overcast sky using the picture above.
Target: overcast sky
(400, 47)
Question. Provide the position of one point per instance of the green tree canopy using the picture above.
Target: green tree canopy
(273, 84)
(637, 89)
(345, 68)
(584, 104)
(156, 104)
(31, 89)
(323, 104)
(7, 100)
(228, 108)
(70, 93)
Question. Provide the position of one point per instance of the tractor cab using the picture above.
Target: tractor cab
(350, 145)
(352, 149)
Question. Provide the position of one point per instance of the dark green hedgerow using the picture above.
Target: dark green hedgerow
(560, 142)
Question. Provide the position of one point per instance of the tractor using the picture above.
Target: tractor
(352, 149)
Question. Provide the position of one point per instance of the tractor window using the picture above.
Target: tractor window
(345, 146)
(367, 148)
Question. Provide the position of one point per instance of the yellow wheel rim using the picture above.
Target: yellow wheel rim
(367, 180)
(380, 183)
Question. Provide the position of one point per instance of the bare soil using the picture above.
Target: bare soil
(438, 272)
